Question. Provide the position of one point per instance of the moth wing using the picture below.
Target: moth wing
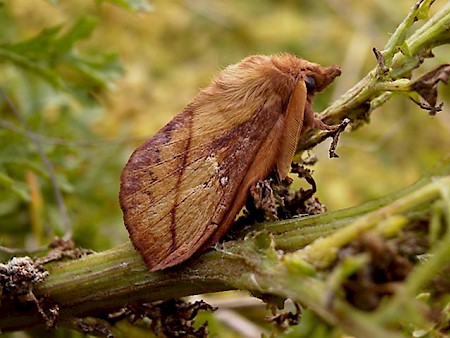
(181, 190)
(293, 128)
(178, 185)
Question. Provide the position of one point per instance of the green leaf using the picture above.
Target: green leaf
(31, 65)
(53, 57)
(81, 30)
(18, 188)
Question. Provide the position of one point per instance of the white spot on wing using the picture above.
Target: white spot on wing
(224, 181)
(211, 159)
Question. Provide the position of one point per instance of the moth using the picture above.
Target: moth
(182, 188)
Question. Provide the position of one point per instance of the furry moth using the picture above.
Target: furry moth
(182, 188)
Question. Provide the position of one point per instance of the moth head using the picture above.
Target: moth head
(315, 76)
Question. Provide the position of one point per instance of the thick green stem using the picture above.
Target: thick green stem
(99, 283)
(323, 251)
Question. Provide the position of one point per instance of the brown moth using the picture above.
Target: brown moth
(182, 189)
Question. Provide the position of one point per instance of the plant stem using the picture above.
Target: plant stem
(100, 283)
(370, 92)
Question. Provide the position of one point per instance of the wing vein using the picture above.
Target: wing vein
(181, 170)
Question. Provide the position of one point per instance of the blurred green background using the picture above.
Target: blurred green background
(101, 78)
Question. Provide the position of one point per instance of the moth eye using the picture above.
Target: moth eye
(310, 84)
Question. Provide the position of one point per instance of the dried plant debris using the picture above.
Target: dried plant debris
(284, 319)
(175, 318)
(273, 199)
(18, 276)
(382, 68)
(335, 133)
(301, 202)
(413, 241)
(262, 201)
(366, 287)
(63, 249)
(426, 86)
(94, 327)
(171, 318)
